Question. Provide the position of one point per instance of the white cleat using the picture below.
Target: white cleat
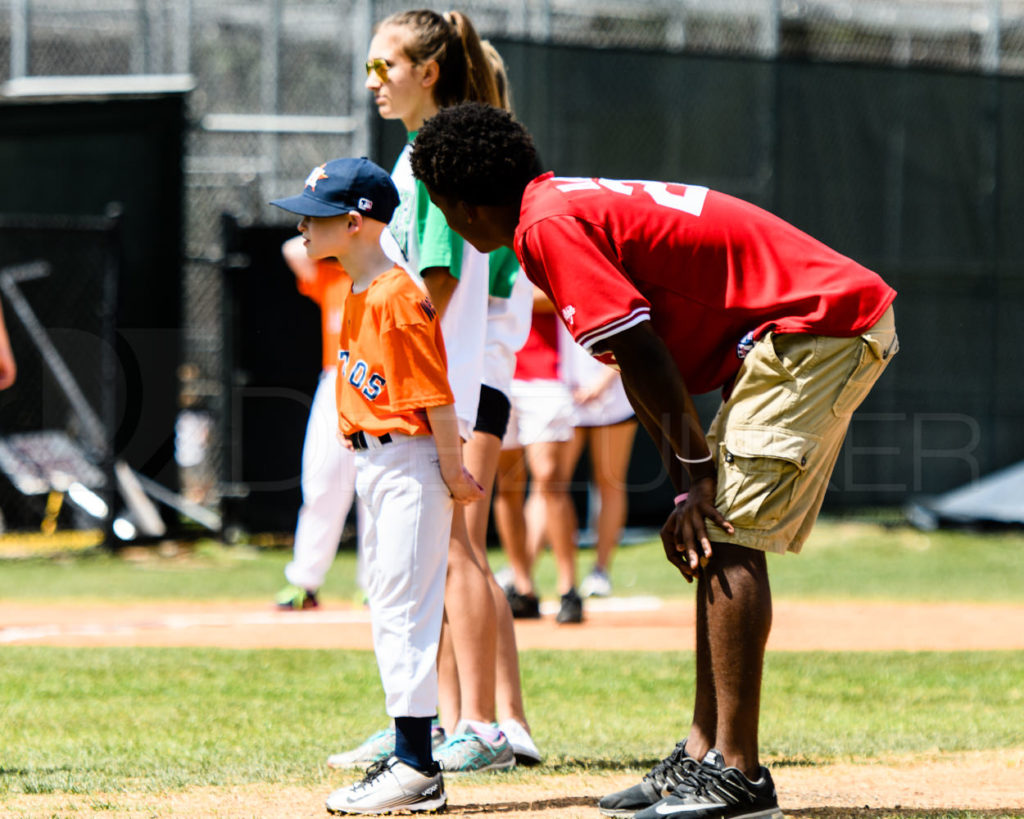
(390, 786)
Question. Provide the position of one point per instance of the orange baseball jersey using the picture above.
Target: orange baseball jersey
(328, 289)
(391, 359)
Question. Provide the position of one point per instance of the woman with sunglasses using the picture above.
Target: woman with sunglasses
(418, 62)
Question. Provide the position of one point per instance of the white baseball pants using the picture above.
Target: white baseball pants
(406, 514)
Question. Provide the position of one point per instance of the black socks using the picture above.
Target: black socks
(412, 743)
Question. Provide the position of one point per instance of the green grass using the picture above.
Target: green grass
(852, 560)
(121, 719)
(108, 720)
(861, 561)
(842, 560)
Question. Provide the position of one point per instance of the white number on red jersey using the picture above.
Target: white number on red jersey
(690, 201)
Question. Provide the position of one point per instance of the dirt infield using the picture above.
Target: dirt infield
(987, 782)
(638, 623)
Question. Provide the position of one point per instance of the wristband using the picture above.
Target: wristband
(680, 498)
(697, 461)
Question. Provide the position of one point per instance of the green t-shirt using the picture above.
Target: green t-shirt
(504, 267)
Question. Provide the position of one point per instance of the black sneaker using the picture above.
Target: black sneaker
(524, 606)
(713, 791)
(653, 788)
(571, 610)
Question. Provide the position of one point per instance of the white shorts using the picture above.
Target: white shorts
(542, 411)
(609, 408)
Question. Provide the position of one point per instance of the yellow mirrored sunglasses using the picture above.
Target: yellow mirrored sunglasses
(378, 66)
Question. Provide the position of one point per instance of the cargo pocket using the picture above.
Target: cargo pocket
(876, 351)
(759, 472)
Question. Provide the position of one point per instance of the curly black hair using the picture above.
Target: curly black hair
(475, 153)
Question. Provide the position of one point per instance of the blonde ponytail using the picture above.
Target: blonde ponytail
(481, 85)
(500, 74)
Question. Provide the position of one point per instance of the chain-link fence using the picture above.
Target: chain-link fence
(279, 85)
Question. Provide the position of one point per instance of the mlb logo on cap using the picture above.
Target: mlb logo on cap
(342, 186)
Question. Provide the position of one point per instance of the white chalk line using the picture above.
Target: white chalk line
(183, 622)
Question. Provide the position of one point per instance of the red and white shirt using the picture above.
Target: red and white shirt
(704, 267)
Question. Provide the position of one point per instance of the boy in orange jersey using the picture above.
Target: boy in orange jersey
(396, 411)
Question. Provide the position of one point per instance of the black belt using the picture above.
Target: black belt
(359, 439)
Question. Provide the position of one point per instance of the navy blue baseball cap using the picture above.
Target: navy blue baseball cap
(342, 186)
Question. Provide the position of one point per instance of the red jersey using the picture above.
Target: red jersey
(328, 289)
(391, 359)
(705, 268)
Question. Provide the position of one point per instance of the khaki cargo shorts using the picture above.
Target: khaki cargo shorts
(776, 440)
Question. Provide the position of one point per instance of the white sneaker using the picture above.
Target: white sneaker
(390, 785)
(522, 743)
(596, 584)
(505, 578)
(376, 747)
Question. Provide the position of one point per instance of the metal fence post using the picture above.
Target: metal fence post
(543, 25)
(20, 37)
(990, 37)
(768, 38)
(140, 43)
(270, 71)
(363, 17)
(181, 36)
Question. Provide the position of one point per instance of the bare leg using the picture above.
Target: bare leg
(573, 449)
(536, 516)
(548, 466)
(469, 608)
(448, 695)
(508, 684)
(736, 597)
(705, 709)
(509, 516)
(481, 456)
(610, 451)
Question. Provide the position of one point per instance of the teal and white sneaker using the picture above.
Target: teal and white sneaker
(377, 747)
(467, 751)
(391, 786)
